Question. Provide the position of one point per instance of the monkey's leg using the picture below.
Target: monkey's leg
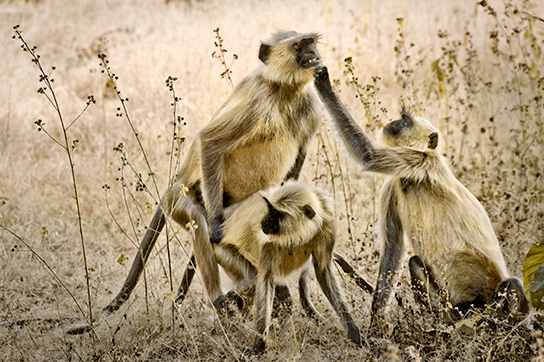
(392, 252)
(511, 301)
(240, 271)
(205, 258)
(426, 290)
(151, 235)
(352, 272)
(264, 294)
(283, 302)
(237, 267)
(186, 280)
(419, 278)
(331, 289)
(304, 294)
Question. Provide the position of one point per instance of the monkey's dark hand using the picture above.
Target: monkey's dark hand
(321, 80)
(216, 229)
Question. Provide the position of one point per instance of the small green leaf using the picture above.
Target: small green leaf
(537, 289)
(533, 282)
(437, 70)
(122, 258)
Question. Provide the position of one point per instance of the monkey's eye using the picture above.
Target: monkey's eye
(405, 122)
(309, 212)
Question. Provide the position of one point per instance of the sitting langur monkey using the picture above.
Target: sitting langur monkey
(259, 137)
(273, 233)
(456, 250)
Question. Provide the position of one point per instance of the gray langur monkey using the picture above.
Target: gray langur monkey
(274, 233)
(456, 250)
(259, 137)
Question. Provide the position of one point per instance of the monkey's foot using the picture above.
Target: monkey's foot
(234, 298)
(180, 298)
(229, 303)
(258, 348)
(355, 336)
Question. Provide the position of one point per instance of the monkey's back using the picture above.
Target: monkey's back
(449, 229)
(245, 233)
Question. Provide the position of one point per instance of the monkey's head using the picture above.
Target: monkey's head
(290, 57)
(295, 212)
(411, 132)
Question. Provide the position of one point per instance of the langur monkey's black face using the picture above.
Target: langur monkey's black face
(304, 49)
(411, 132)
(306, 52)
(395, 128)
(272, 222)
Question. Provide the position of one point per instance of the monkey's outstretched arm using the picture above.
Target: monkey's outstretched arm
(357, 142)
(355, 139)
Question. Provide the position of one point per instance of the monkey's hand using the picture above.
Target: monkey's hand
(216, 229)
(322, 81)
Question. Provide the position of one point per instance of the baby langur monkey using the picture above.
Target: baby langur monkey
(456, 251)
(272, 234)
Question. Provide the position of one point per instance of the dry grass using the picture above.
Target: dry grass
(476, 74)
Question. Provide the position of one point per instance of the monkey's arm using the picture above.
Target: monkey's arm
(355, 139)
(357, 142)
(227, 131)
(294, 173)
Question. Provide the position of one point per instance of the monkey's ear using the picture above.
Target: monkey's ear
(271, 207)
(433, 140)
(308, 211)
(264, 52)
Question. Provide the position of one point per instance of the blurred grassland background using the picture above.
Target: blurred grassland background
(474, 69)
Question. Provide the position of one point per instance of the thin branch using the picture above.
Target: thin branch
(46, 265)
(53, 100)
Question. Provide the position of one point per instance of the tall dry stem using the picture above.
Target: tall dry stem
(48, 91)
